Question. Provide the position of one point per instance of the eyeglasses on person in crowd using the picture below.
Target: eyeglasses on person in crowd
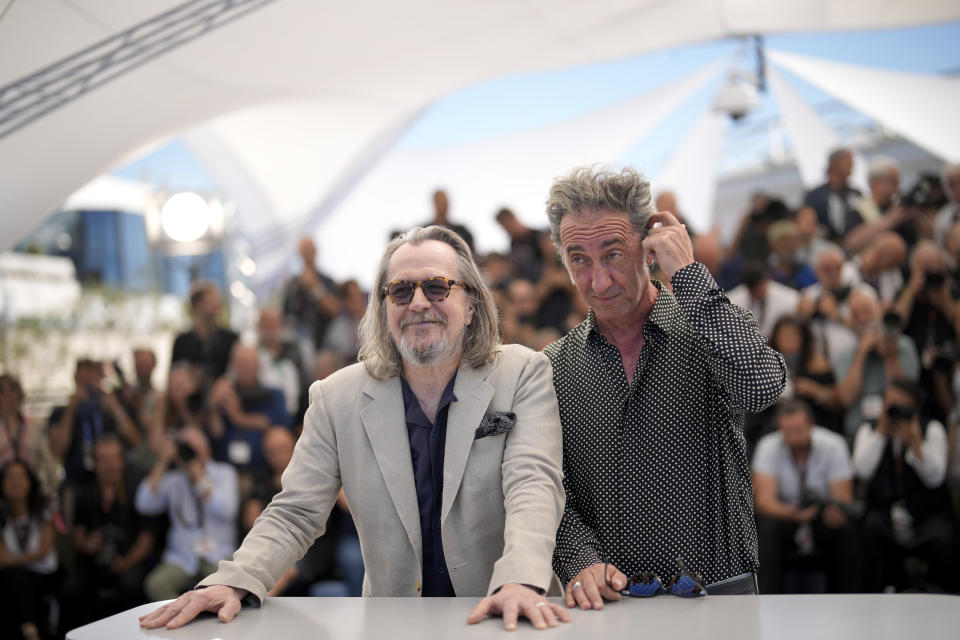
(434, 289)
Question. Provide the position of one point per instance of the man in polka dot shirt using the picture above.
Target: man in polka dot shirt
(652, 387)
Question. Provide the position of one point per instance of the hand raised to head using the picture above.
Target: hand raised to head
(668, 243)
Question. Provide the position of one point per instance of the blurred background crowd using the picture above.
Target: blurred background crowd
(130, 491)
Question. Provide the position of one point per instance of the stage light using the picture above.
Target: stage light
(185, 217)
(247, 267)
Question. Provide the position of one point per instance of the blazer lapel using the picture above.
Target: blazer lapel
(383, 420)
(473, 398)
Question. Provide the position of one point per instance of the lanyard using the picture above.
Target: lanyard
(802, 470)
(198, 506)
(21, 529)
(92, 431)
(16, 440)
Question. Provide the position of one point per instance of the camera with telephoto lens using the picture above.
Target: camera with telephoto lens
(935, 280)
(891, 322)
(900, 413)
(810, 498)
(185, 452)
(945, 358)
(113, 535)
(841, 294)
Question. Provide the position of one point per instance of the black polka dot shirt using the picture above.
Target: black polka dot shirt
(659, 470)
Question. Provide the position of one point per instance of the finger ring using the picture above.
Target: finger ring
(541, 604)
(576, 585)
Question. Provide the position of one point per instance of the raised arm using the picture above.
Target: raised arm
(748, 369)
(752, 374)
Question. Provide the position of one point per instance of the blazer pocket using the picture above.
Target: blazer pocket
(495, 423)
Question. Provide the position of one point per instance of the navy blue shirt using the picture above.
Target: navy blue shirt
(427, 443)
(265, 400)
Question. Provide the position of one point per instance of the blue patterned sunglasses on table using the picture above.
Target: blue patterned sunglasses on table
(685, 584)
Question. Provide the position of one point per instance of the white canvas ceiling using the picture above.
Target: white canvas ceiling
(289, 101)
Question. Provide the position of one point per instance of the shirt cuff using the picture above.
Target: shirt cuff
(249, 601)
(586, 557)
(690, 283)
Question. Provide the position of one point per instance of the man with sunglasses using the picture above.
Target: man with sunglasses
(652, 387)
(446, 443)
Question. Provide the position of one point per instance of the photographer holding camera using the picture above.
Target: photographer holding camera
(93, 410)
(803, 495)
(903, 461)
(881, 353)
(826, 302)
(200, 496)
(242, 410)
(110, 541)
(929, 311)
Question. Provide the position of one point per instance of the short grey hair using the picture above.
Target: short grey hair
(881, 167)
(596, 188)
(828, 249)
(481, 339)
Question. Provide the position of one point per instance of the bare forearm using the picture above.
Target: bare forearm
(330, 305)
(849, 387)
(903, 305)
(128, 430)
(156, 475)
(891, 366)
(60, 434)
(773, 508)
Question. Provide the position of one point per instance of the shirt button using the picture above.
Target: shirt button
(436, 525)
(441, 571)
(437, 477)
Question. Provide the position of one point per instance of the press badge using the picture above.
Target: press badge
(204, 546)
(238, 452)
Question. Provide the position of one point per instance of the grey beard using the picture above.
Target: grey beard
(430, 354)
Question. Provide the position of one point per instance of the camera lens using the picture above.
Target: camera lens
(891, 321)
(935, 280)
(900, 413)
(185, 452)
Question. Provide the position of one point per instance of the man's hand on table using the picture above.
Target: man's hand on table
(515, 599)
(219, 599)
(589, 588)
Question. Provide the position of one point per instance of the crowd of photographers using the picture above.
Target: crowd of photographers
(131, 493)
(855, 482)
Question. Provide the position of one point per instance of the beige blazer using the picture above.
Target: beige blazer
(502, 494)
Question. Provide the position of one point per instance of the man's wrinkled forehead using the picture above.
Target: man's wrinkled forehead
(582, 228)
(422, 260)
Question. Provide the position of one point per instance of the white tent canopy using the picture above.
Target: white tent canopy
(918, 106)
(288, 102)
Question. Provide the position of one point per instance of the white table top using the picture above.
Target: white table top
(806, 617)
